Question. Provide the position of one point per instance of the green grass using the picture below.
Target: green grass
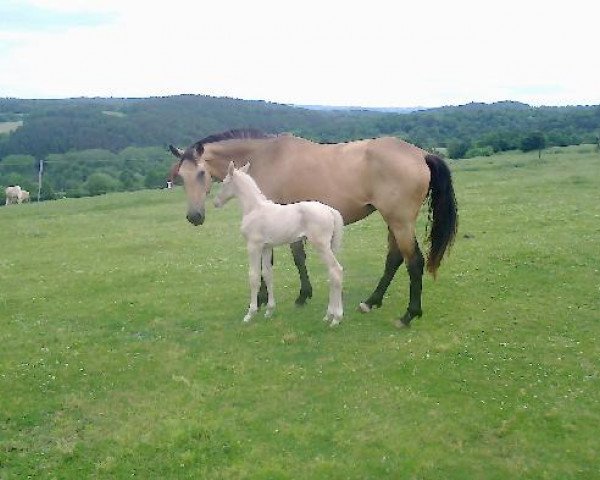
(123, 354)
(7, 127)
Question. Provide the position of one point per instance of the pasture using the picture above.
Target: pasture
(7, 127)
(123, 353)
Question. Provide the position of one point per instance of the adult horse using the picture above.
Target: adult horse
(356, 178)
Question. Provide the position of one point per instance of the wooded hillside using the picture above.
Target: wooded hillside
(94, 145)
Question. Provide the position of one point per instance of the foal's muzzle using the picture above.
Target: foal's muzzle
(196, 218)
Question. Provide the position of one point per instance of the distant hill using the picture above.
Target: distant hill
(92, 146)
(60, 126)
(329, 108)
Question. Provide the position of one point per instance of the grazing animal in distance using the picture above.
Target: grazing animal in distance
(14, 194)
(266, 224)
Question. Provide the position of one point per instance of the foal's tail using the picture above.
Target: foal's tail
(443, 213)
(338, 230)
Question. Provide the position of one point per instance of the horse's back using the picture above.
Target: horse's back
(355, 178)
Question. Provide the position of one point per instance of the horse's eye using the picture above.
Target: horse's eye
(200, 175)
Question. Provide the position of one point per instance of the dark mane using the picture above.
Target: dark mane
(235, 134)
(238, 133)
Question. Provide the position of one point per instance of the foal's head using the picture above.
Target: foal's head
(196, 180)
(228, 187)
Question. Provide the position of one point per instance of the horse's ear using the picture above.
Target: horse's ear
(231, 168)
(178, 152)
(245, 168)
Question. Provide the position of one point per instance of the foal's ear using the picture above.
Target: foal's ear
(231, 168)
(178, 152)
(245, 168)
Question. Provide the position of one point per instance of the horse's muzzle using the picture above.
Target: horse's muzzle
(195, 218)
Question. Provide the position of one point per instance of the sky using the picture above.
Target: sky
(376, 53)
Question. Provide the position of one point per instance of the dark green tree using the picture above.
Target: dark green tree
(99, 183)
(458, 149)
(534, 141)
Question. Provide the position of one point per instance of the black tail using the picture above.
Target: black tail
(443, 213)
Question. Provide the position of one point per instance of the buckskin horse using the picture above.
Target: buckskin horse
(384, 174)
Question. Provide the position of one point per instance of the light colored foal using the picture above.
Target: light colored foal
(266, 224)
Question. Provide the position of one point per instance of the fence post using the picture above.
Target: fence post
(40, 174)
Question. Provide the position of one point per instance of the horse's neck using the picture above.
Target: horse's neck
(248, 193)
(218, 155)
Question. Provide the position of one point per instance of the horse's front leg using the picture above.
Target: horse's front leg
(267, 275)
(263, 295)
(300, 261)
(254, 262)
(392, 263)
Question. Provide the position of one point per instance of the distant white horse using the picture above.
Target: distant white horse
(266, 224)
(16, 194)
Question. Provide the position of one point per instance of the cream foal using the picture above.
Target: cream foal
(266, 224)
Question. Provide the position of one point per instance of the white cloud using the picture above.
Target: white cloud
(376, 53)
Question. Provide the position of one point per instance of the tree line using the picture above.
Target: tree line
(94, 145)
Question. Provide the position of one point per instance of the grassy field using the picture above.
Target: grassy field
(7, 127)
(123, 354)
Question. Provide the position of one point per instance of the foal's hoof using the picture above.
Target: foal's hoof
(332, 319)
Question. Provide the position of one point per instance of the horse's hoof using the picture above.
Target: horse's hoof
(404, 322)
(335, 322)
(400, 324)
(269, 313)
(364, 308)
(327, 318)
(304, 295)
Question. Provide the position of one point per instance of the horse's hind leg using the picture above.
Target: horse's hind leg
(300, 261)
(392, 263)
(409, 248)
(415, 273)
(267, 275)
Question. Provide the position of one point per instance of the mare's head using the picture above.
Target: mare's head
(196, 178)
(228, 187)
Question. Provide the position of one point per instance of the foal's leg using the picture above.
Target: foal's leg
(300, 260)
(254, 262)
(267, 275)
(335, 308)
(392, 263)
